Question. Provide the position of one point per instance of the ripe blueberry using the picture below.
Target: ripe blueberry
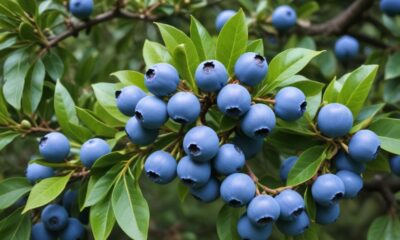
(327, 189)
(335, 120)
(207, 193)
(291, 204)
(193, 174)
(39, 232)
(54, 147)
(346, 48)
(92, 150)
(151, 112)
(294, 227)
(81, 8)
(201, 143)
(290, 104)
(54, 217)
(127, 98)
(69, 199)
(284, 17)
(160, 167)
(138, 134)
(327, 214)
(229, 159)
(249, 146)
(286, 166)
(161, 79)
(237, 189)
(183, 107)
(390, 7)
(395, 165)
(342, 161)
(35, 172)
(211, 76)
(258, 121)
(222, 18)
(73, 231)
(263, 210)
(247, 230)
(251, 68)
(234, 100)
(364, 146)
(353, 183)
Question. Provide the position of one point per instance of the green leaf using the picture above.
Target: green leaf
(29, 6)
(202, 40)
(310, 234)
(6, 138)
(45, 191)
(391, 69)
(386, 127)
(307, 165)
(183, 191)
(356, 88)
(102, 219)
(256, 46)
(182, 61)
(226, 223)
(380, 164)
(332, 91)
(128, 77)
(54, 65)
(307, 9)
(232, 40)
(130, 208)
(310, 204)
(154, 53)
(98, 127)
(8, 42)
(109, 160)
(365, 116)
(12, 189)
(16, 226)
(34, 87)
(327, 64)
(391, 145)
(384, 228)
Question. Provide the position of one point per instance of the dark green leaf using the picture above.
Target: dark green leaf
(16, 226)
(54, 65)
(365, 116)
(34, 87)
(12, 189)
(391, 69)
(6, 138)
(384, 228)
(226, 223)
(327, 64)
(307, 9)
(310, 204)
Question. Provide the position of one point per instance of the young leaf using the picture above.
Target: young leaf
(226, 223)
(384, 228)
(12, 189)
(154, 52)
(16, 226)
(128, 77)
(202, 40)
(102, 219)
(182, 61)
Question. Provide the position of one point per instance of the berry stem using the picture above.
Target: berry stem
(264, 100)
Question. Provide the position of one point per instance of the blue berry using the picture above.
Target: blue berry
(161, 79)
(335, 120)
(151, 112)
(290, 104)
(294, 227)
(39, 232)
(284, 17)
(73, 231)
(327, 214)
(138, 134)
(234, 100)
(92, 150)
(364, 146)
(247, 230)
(201, 143)
(286, 166)
(207, 193)
(81, 8)
(342, 161)
(327, 189)
(263, 210)
(346, 48)
(183, 107)
(69, 199)
(35, 172)
(251, 68)
(160, 167)
(193, 174)
(54, 217)
(291, 204)
(395, 165)
(258, 121)
(211, 76)
(222, 18)
(229, 159)
(237, 189)
(390, 7)
(54, 147)
(353, 183)
(249, 146)
(127, 98)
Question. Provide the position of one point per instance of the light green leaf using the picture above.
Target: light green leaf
(226, 223)
(182, 61)
(332, 91)
(6, 138)
(94, 124)
(102, 219)
(16, 226)
(129, 77)
(12, 189)
(391, 145)
(256, 46)
(154, 53)
(384, 228)
(386, 127)
(202, 40)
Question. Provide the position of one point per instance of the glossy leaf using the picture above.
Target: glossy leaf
(182, 62)
(102, 219)
(202, 40)
(12, 189)
(154, 52)
(54, 65)
(16, 226)
(94, 124)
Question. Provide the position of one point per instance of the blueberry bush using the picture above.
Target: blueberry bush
(235, 119)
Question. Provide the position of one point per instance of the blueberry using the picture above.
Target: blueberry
(291, 204)
(395, 165)
(35, 172)
(335, 120)
(342, 161)
(138, 134)
(364, 146)
(201, 143)
(327, 214)
(39, 232)
(229, 159)
(54, 147)
(284, 17)
(294, 227)
(238, 189)
(247, 230)
(327, 189)
(81, 8)
(193, 174)
(353, 183)
(390, 7)
(249, 146)
(161, 79)
(290, 104)
(151, 112)
(54, 217)
(207, 193)
(263, 210)
(286, 166)
(346, 48)
(92, 150)
(74, 230)
(70, 199)
(234, 100)
(183, 107)
(160, 167)
(258, 121)
(222, 18)
(127, 98)
(211, 76)
(251, 68)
